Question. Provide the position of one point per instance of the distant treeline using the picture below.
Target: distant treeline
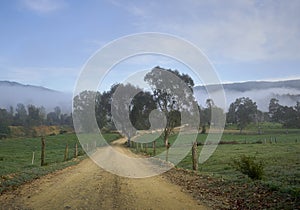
(241, 112)
(244, 111)
(30, 116)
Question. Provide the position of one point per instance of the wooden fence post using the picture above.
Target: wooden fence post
(154, 148)
(195, 156)
(66, 153)
(167, 152)
(43, 152)
(76, 151)
(32, 160)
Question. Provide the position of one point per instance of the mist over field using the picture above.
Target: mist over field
(286, 97)
(287, 92)
(12, 93)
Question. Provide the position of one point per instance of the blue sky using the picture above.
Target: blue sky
(47, 42)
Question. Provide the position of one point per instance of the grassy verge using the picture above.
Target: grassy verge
(281, 158)
(17, 165)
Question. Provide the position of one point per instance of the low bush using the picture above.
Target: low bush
(249, 166)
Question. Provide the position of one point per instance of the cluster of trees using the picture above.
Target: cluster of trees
(129, 108)
(289, 116)
(244, 111)
(31, 115)
(133, 107)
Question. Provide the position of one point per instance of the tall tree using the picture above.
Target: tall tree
(173, 94)
(142, 105)
(287, 116)
(66, 119)
(121, 106)
(213, 113)
(242, 112)
(297, 108)
(57, 112)
(35, 115)
(21, 115)
(103, 108)
(83, 106)
(4, 123)
(54, 118)
(274, 110)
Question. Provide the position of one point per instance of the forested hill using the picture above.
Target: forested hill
(12, 93)
(287, 92)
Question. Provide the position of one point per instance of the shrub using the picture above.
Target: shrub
(249, 166)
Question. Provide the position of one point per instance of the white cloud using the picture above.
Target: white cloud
(44, 6)
(239, 31)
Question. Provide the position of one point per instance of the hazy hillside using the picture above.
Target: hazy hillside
(12, 93)
(287, 92)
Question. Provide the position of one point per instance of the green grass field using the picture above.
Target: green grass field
(16, 157)
(281, 158)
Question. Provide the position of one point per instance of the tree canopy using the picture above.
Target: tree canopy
(173, 94)
(242, 112)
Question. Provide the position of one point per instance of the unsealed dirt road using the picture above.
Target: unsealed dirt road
(87, 186)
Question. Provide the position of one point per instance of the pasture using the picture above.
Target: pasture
(19, 165)
(277, 149)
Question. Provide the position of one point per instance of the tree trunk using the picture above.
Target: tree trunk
(167, 154)
(166, 140)
(43, 152)
(195, 156)
(66, 153)
(128, 142)
(76, 151)
(154, 148)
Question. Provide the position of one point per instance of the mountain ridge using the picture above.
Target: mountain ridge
(12, 93)
(286, 91)
(245, 86)
(17, 84)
